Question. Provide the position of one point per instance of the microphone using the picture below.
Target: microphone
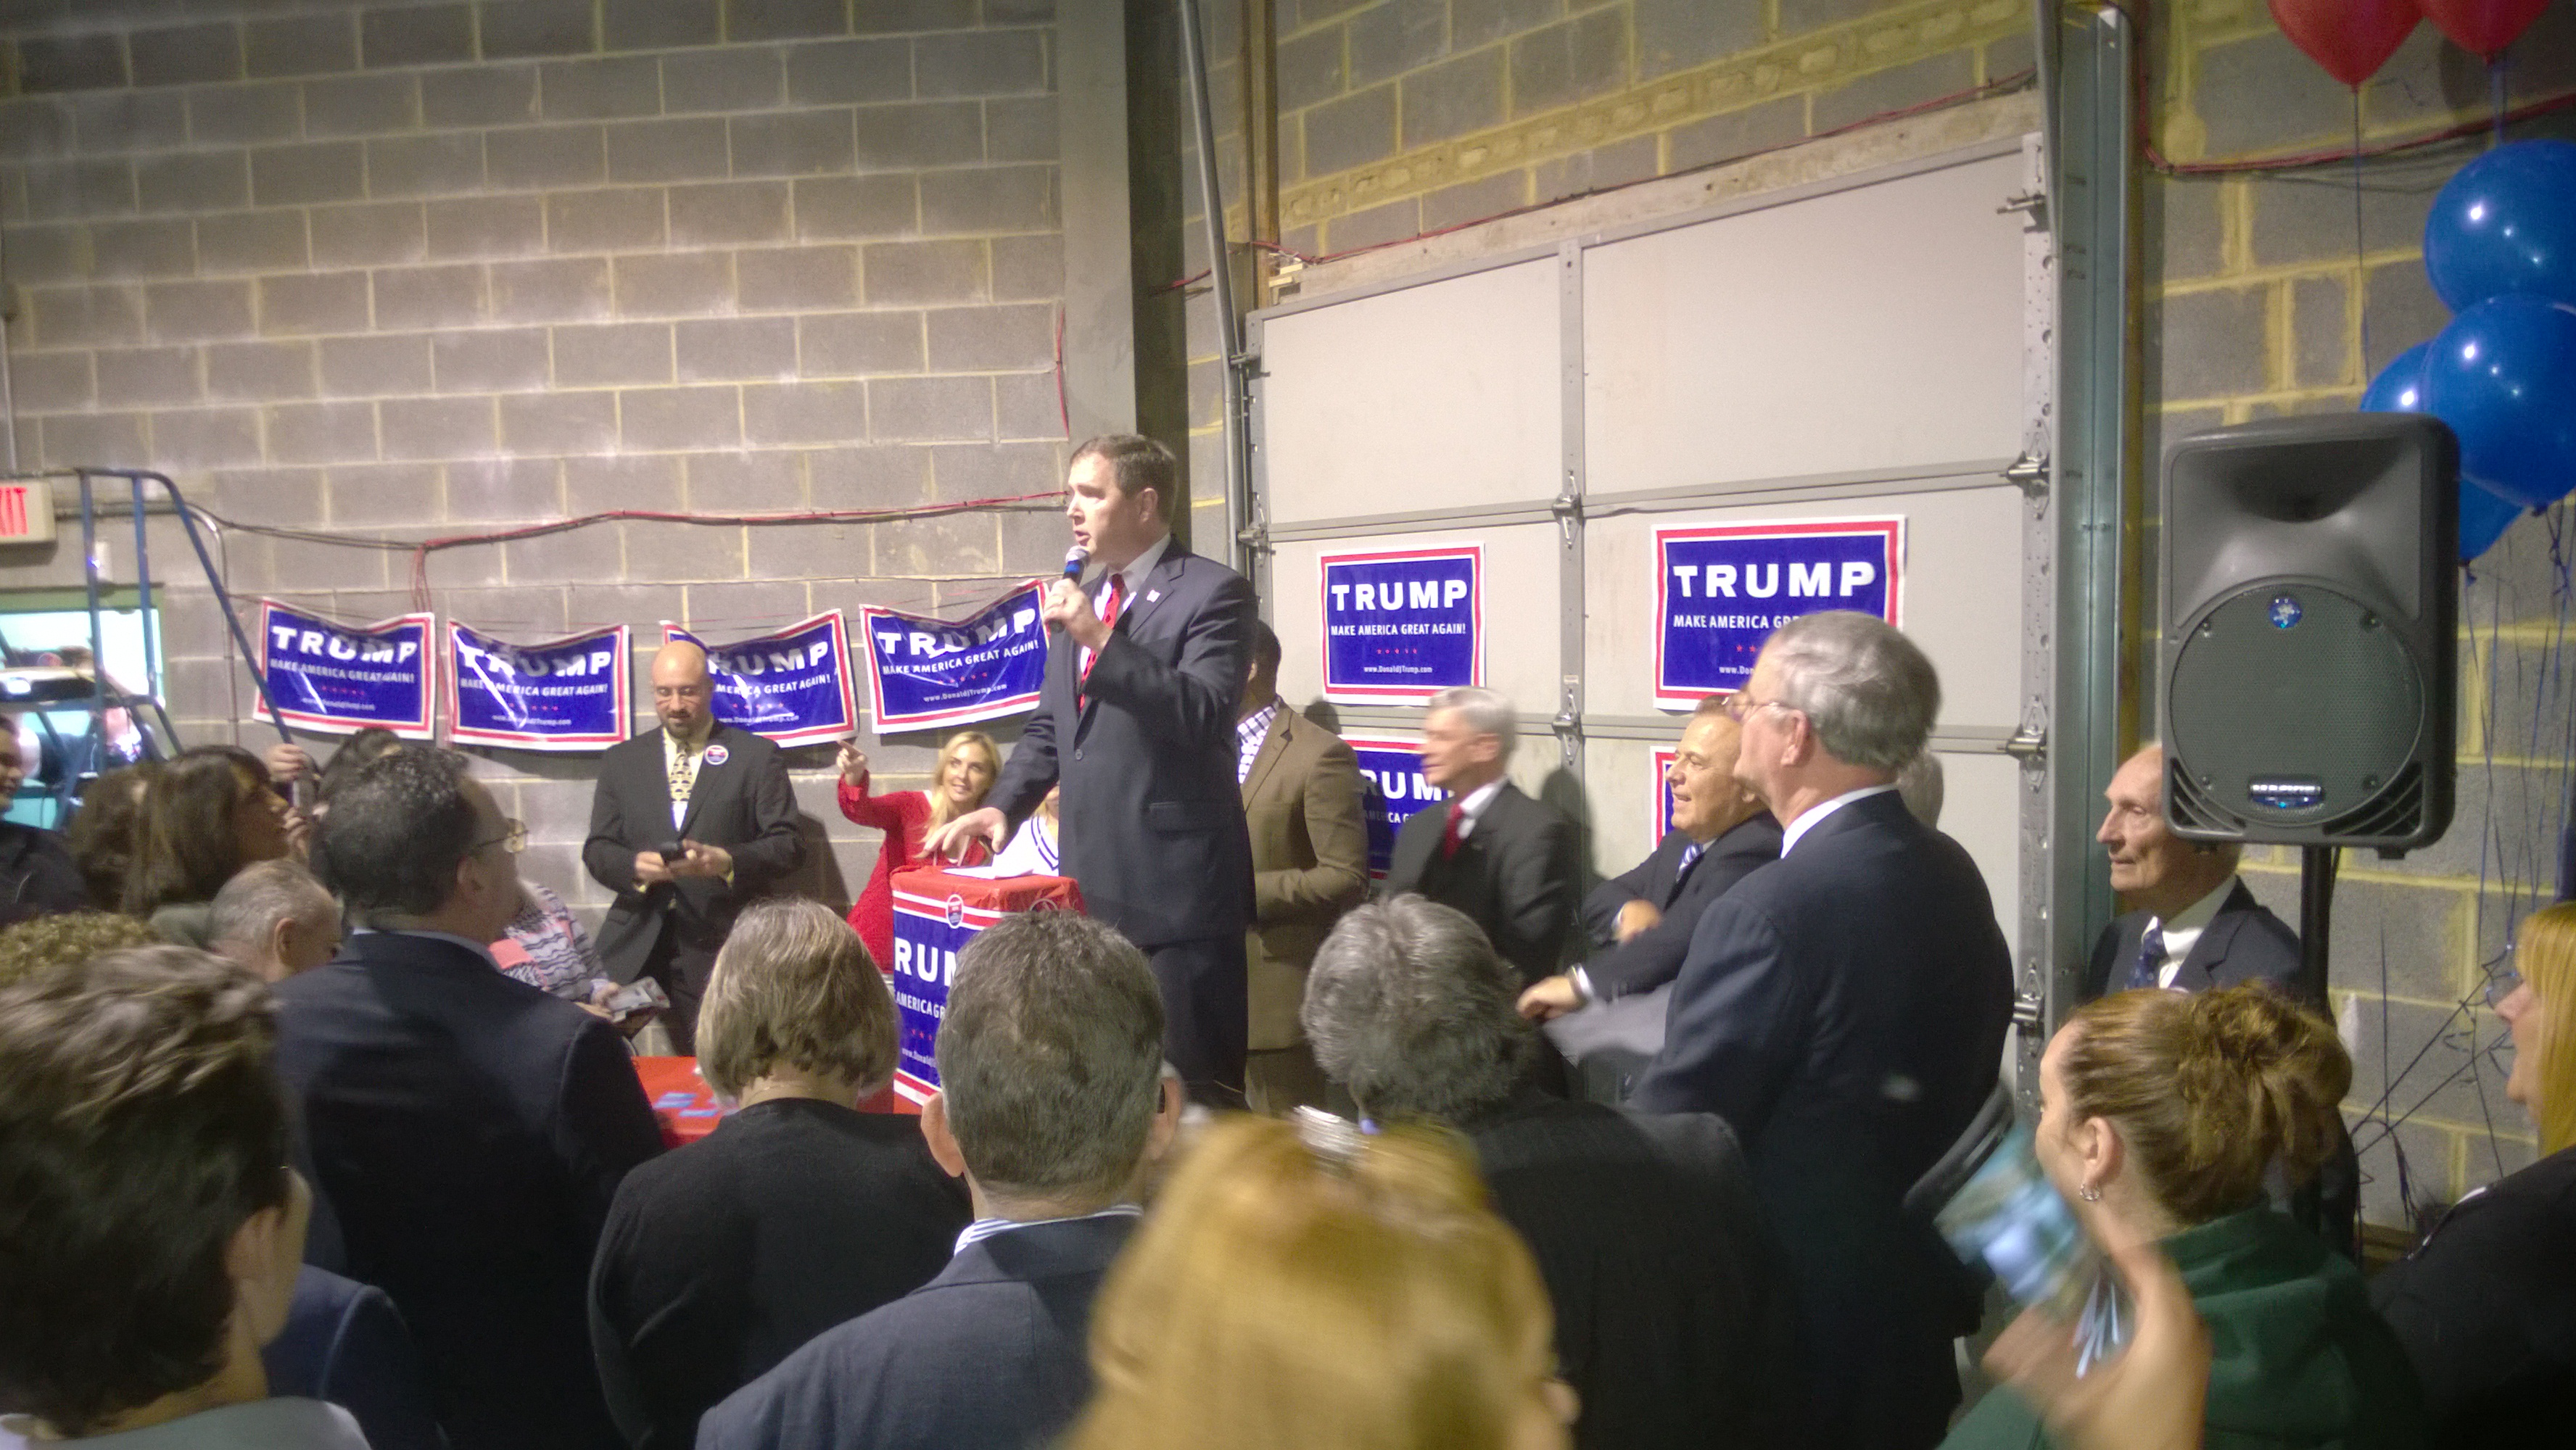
(1076, 559)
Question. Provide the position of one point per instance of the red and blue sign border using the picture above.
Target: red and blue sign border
(533, 739)
(961, 715)
(422, 729)
(1357, 694)
(1889, 527)
(951, 911)
(841, 729)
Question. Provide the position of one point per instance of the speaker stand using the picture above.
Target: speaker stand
(2316, 913)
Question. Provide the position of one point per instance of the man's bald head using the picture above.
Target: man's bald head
(682, 693)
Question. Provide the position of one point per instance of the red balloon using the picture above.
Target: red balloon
(2352, 39)
(2483, 26)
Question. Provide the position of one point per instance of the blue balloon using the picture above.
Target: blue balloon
(2506, 224)
(2399, 388)
(2503, 375)
(2483, 519)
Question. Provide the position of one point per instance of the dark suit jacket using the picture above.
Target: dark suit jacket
(2244, 942)
(1514, 875)
(725, 1257)
(346, 1343)
(988, 1356)
(1301, 805)
(469, 1132)
(1654, 956)
(1151, 823)
(1672, 1321)
(1844, 1009)
(37, 876)
(744, 805)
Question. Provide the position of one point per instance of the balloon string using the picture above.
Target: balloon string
(2360, 276)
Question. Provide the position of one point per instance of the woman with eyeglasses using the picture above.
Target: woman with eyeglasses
(207, 813)
(2486, 1305)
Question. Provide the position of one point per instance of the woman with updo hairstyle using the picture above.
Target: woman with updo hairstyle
(2162, 1117)
(1299, 1286)
(209, 813)
(2486, 1305)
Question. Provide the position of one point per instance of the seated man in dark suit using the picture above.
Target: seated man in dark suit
(1844, 1011)
(1720, 834)
(1671, 1323)
(1506, 861)
(468, 1130)
(1054, 1105)
(2191, 923)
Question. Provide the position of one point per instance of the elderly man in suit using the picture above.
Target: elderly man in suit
(1054, 1107)
(1844, 1010)
(468, 1130)
(1145, 664)
(1504, 860)
(1672, 1322)
(1301, 802)
(2191, 925)
(1644, 919)
(720, 797)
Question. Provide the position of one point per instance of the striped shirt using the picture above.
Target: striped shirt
(984, 1228)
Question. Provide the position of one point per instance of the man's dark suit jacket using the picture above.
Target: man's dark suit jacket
(1654, 956)
(1844, 1010)
(1514, 875)
(744, 805)
(469, 1132)
(2244, 942)
(346, 1343)
(1151, 823)
(991, 1355)
(1672, 1321)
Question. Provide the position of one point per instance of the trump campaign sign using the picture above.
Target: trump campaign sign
(1722, 589)
(342, 678)
(566, 694)
(929, 672)
(1665, 755)
(1402, 624)
(1392, 787)
(793, 686)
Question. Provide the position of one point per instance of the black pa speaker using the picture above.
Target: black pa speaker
(2310, 592)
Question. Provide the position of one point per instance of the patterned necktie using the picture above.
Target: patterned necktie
(2149, 969)
(1109, 617)
(1690, 857)
(684, 772)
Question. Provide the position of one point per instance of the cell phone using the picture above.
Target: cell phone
(672, 852)
(641, 995)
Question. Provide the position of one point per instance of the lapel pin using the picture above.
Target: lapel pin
(716, 755)
(1153, 594)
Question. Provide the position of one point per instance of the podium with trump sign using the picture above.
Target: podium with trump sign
(936, 913)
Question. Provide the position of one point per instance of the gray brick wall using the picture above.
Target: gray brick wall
(408, 270)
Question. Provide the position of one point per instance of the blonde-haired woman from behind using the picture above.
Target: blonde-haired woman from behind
(2162, 1116)
(1303, 1285)
(2486, 1305)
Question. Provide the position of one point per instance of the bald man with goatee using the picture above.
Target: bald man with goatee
(689, 823)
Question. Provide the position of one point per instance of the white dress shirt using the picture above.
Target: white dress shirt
(1814, 815)
(1475, 803)
(1130, 579)
(2183, 932)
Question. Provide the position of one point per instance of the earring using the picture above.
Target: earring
(2089, 1193)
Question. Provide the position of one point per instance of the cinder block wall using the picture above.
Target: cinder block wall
(404, 270)
(2260, 301)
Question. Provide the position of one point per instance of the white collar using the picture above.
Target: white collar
(1137, 568)
(984, 1228)
(1814, 815)
(1473, 804)
(2183, 932)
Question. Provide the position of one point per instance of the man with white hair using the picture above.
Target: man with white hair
(274, 918)
(1504, 861)
(1844, 1011)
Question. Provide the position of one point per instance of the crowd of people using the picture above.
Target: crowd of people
(319, 1126)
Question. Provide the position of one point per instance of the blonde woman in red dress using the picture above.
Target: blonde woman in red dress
(967, 765)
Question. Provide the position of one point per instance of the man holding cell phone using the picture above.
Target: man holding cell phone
(688, 824)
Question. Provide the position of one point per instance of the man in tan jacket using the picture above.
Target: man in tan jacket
(1301, 800)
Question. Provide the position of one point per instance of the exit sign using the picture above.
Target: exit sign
(27, 512)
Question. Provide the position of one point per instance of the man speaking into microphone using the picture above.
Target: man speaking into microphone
(1146, 655)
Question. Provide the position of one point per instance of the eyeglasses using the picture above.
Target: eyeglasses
(513, 838)
(2502, 985)
(1739, 707)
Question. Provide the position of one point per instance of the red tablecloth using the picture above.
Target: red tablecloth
(686, 1107)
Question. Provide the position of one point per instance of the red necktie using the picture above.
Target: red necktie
(1108, 616)
(1449, 835)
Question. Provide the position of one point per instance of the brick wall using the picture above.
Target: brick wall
(409, 270)
(2258, 303)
